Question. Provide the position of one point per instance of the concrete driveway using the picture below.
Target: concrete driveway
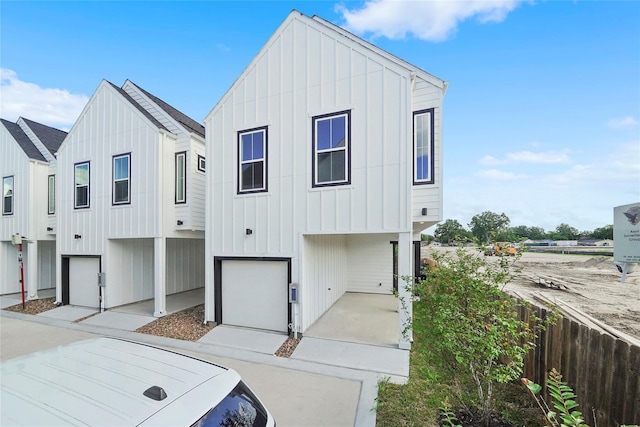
(297, 394)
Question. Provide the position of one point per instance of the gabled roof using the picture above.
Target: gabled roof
(138, 107)
(177, 115)
(50, 137)
(23, 141)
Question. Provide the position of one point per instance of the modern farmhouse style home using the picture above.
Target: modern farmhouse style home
(325, 160)
(131, 202)
(28, 171)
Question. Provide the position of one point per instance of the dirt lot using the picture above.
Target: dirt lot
(592, 286)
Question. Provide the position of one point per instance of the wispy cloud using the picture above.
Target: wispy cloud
(426, 20)
(547, 157)
(223, 47)
(53, 107)
(622, 123)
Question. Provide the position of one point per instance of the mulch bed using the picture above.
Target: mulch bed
(288, 347)
(34, 306)
(185, 325)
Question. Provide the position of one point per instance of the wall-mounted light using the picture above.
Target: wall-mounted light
(49, 228)
(248, 232)
(77, 236)
(424, 211)
(180, 222)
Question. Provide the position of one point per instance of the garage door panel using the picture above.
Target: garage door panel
(83, 282)
(254, 294)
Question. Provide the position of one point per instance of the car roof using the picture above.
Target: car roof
(100, 381)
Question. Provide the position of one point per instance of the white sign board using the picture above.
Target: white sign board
(626, 233)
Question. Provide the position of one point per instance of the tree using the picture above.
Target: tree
(605, 232)
(450, 231)
(487, 225)
(565, 232)
(426, 238)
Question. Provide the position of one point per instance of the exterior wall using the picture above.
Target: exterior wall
(185, 265)
(426, 96)
(51, 221)
(130, 271)
(370, 263)
(46, 264)
(9, 268)
(14, 162)
(324, 275)
(196, 187)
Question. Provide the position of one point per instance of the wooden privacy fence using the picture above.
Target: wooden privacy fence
(603, 371)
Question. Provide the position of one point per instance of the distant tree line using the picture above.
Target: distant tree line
(492, 227)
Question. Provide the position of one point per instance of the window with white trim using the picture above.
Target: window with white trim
(121, 191)
(7, 195)
(423, 147)
(181, 177)
(252, 160)
(331, 149)
(51, 204)
(81, 185)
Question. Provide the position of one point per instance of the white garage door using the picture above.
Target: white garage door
(83, 282)
(255, 294)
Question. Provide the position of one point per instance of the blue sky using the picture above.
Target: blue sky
(540, 118)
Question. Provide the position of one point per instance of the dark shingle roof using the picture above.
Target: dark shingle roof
(50, 137)
(139, 107)
(180, 117)
(23, 141)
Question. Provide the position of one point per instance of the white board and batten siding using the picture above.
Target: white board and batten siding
(370, 263)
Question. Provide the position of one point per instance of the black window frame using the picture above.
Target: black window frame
(315, 151)
(12, 196)
(201, 163)
(75, 185)
(51, 195)
(264, 160)
(431, 161)
(113, 179)
(184, 183)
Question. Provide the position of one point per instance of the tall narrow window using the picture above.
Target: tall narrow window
(121, 179)
(181, 177)
(7, 195)
(81, 183)
(423, 147)
(52, 195)
(331, 149)
(252, 160)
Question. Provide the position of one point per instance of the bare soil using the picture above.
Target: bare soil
(589, 283)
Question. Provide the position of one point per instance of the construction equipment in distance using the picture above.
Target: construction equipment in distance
(500, 248)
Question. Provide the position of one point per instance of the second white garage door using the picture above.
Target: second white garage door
(255, 294)
(83, 281)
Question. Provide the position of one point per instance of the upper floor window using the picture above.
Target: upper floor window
(423, 147)
(51, 204)
(331, 149)
(81, 183)
(7, 195)
(201, 163)
(252, 160)
(121, 179)
(181, 177)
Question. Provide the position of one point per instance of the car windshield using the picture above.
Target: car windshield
(239, 409)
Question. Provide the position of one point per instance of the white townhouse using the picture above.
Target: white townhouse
(131, 202)
(28, 171)
(325, 160)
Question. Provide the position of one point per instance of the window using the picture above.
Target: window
(252, 155)
(52, 195)
(81, 183)
(331, 149)
(121, 179)
(7, 195)
(201, 163)
(181, 177)
(423, 147)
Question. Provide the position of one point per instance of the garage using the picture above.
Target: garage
(253, 293)
(83, 281)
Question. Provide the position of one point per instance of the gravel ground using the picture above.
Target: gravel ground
(34, 306)
(287, 348)
(185, 325)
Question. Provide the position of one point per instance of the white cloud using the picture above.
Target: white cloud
(53, 107)
(622, 123)
(548, 157)
(426, 20)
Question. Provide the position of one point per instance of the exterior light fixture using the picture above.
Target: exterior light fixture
(248, 232)
(180, 222)
(424, 211)
(77, 236)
